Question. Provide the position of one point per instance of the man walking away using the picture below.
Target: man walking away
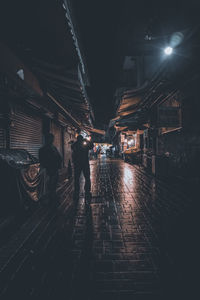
(51, 160)
(80, 150)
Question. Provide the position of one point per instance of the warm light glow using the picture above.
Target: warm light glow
(129, 177)
(168, 50)
(84, 143)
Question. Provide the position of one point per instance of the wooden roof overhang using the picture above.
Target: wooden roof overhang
(130, 101)
(66, 88)
(51, 50)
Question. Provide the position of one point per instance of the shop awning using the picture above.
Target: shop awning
(134, 121)
(67, 88)
(128, 106)
(130, 101)
(95, 130)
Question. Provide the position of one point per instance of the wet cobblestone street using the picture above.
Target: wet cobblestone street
(120, 240)
(99, 150)
(136, 239)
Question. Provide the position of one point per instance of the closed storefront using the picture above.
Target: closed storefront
(25, 131)
(3, 121)
(2, 138)
(56, 130)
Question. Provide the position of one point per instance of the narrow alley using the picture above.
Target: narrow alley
(115, 247)
(99, 149)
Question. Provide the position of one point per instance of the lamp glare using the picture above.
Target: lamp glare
(168, 50)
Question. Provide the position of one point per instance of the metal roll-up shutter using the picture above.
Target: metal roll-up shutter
(2, 138)
(67, 148)
(26, 132)
(57, 132)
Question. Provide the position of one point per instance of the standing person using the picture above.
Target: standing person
(51, 160)
(80, 150)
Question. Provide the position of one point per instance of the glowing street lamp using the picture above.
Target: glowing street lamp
(168, 50)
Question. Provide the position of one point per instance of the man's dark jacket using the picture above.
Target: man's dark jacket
(80, 152)
(50, 158)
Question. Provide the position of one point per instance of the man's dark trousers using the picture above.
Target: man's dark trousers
(85, 168)
(52, 183)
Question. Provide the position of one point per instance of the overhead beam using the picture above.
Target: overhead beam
(64, 110)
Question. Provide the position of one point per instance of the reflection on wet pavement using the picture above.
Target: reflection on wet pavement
(122, 234)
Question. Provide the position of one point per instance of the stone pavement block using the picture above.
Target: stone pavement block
(112, 256)
(136, 265)
(132, 295)
(106, 295)
(103, 266)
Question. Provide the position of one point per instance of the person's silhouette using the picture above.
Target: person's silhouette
(51, 160)
(80, 150)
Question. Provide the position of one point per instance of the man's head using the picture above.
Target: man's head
(79, 138)
(49, 138)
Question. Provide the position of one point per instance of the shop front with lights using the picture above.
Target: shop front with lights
(102, 148)
(131, 146)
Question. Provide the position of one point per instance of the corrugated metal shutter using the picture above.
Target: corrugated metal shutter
(67, 148)
(26, 132)
(2, 138)
(57, 132)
